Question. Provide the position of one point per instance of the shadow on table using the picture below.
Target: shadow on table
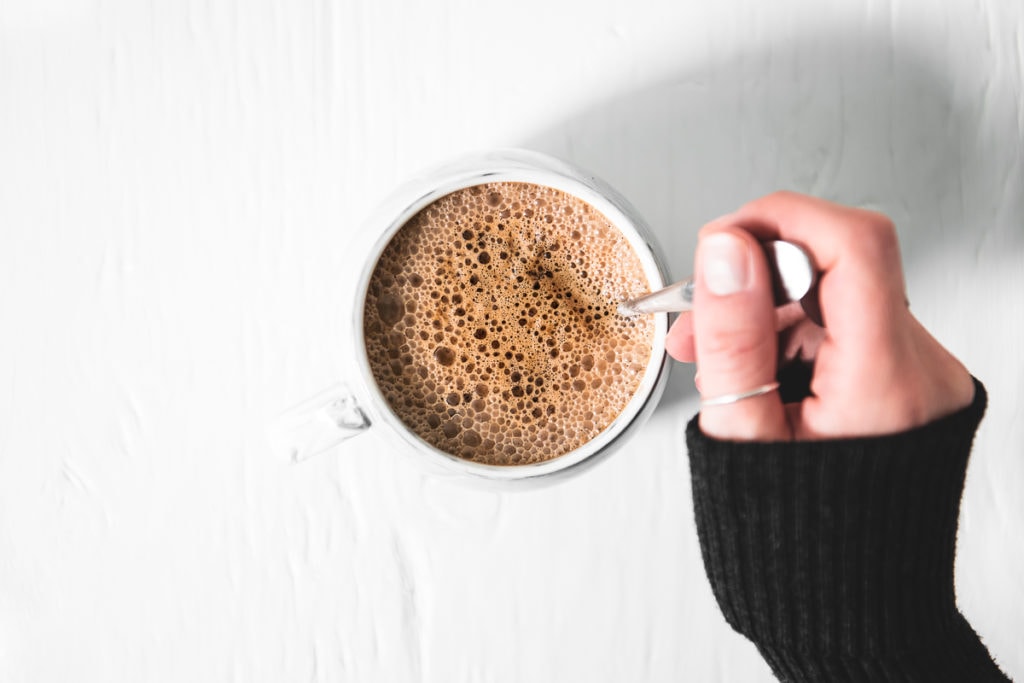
(836, 115)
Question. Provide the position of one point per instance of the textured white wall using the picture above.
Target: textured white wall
(179, 180)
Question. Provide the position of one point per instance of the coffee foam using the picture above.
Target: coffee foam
(491, 328)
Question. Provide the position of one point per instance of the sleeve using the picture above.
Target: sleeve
(836, 557)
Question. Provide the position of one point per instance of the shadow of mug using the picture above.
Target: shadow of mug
(837, 115)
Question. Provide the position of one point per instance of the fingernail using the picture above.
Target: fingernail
(725, 263)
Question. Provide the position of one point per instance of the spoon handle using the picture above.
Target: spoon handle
(792, 278)
(675, 298)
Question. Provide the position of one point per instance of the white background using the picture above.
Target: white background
(179, 181)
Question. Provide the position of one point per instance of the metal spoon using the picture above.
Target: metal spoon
(793, 277)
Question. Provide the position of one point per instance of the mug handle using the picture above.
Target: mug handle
(318, 424)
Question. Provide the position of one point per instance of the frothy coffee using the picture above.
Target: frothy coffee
(491, 328)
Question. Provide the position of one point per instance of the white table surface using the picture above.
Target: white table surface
(179, 180)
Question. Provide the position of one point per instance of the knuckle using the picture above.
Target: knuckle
(784, 196)
(877, 236)
(879, 226)
(737, 349)
(776, 199)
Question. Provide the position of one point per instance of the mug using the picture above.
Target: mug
(350, 408)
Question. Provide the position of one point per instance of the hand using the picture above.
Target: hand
(876, 370)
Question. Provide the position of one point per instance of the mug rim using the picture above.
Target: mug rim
(523, 166)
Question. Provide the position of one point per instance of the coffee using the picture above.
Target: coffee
(490, 323)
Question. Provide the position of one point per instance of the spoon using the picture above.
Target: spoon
(793, 277)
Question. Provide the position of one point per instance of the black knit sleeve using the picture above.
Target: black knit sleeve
(836, 557)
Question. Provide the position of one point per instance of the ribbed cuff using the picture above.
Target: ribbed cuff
(836, 557)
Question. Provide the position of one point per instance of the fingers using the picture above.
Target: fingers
(679, 341)
(857, 252)
(789, 317)
(734, 334)
(875, 369)
(801, 341)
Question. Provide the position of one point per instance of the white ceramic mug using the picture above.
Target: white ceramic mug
(347, 410)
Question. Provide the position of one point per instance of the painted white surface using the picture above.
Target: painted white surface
(179, 180)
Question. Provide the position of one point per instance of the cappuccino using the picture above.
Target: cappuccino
(490, 323)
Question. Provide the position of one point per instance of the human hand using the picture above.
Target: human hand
(876, 370)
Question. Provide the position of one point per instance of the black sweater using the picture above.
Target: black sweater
(836, 557)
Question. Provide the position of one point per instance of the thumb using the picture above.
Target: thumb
(735, 338)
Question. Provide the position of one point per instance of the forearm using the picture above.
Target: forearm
(836, 557)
